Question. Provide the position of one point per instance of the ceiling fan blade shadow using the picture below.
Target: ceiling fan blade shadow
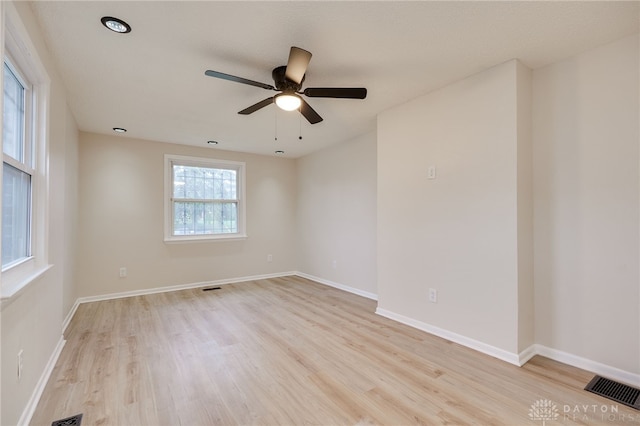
(297, 64)
(253, 108)
(336, 92)
(230, 77)
(309, 113)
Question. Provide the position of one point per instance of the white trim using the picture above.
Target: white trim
(212, 238)
(28, 411)
(501, 354)
(69, 317)
(599, 368)
(110, 296)
(527, 354)
(3, 24)
(24, 56)
(523, 357)
(353, 290)
(155, 290)
(167, 289)
(17, 285)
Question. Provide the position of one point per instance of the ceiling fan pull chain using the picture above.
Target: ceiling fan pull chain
(300, 123)
(275, 117)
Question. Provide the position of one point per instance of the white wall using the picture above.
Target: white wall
(64, 197)
(457, 233)
(585, 137)
(530, 233)
(32, 320)
(121, 190)
(337, 214)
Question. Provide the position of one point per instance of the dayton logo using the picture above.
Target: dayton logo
(544, 410)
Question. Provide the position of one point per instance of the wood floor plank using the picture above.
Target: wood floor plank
(293, 352)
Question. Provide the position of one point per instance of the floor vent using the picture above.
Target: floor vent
(69, 421)
(615, 391)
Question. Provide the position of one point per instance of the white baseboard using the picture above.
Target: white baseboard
(120, 295)
(155, 290)
(111, 296)
(69, 316)
(523, 357)
(598, 368)
(527, 354)
(353, 290)
(28, 411)
(501, 354)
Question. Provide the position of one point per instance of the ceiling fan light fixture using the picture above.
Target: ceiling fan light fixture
(288, 101)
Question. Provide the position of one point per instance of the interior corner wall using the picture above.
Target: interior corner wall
(337, 214)
(526, 310)
(456, 233)
(121, 190)
(71, 166)
(586, 199)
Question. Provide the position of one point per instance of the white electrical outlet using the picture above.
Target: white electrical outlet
(433, 295)
(334, 264)
(123, 272)
(20, 363)
(269, 258)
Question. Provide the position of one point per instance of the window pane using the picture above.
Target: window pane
(228, 178)
(178, 182)
(13, 116)
(196, 218)
(203, 183)
(16, 212)
(228, 217)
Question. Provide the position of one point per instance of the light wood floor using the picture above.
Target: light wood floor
(289, 351)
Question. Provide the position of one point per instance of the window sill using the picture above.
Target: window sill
(204, 238)
(13, 287)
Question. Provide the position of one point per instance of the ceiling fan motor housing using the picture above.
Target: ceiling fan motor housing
(282, 83)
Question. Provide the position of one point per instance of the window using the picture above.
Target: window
(24, 184)
(204, 199)
(16, 170)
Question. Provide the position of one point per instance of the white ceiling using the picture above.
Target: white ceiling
(151, 81)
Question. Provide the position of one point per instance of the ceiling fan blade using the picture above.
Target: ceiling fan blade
(336, 92)
(309, 113)
(297, 64)
(230, 77)
(253, 108)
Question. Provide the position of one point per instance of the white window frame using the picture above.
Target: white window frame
(25, 164)
(169, 161)
(17, 47)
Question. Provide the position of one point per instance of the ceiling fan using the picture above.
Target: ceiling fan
(288, 81)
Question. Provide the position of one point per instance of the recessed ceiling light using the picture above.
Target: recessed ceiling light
(212, 142)
(115, 24)
(119, 130)
(279, 152)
